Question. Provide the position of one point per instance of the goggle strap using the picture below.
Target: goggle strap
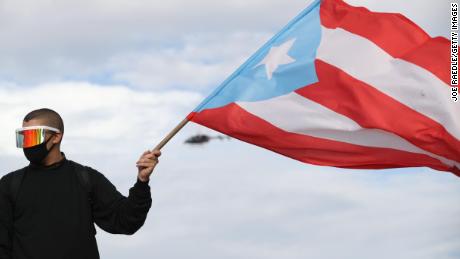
(38, 127)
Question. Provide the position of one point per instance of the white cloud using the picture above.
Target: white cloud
(48, 40)
(131, 41)
(200, 64)
(433, 15)
(96, 116)
(256, 204)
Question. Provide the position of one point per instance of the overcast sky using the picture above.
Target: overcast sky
(123, 73)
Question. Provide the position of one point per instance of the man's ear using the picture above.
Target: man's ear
(57, 138)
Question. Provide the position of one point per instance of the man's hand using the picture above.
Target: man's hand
(146, 164)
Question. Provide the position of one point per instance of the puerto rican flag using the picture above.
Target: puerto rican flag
(346, 87)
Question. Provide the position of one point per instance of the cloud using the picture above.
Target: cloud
(48, 40)
(258, 205)
(201, 64)
(149, 43)
(433, 16)
(96, 116)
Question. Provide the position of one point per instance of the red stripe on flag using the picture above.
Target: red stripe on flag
(238, 123)
(371, 108)
(394, 33)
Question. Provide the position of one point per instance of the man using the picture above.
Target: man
(51, 213)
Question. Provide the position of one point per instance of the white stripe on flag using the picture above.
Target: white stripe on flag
(296, 114)
(408, 83)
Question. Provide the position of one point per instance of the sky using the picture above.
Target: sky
(124, 73)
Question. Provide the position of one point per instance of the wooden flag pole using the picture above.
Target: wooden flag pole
(172, 134)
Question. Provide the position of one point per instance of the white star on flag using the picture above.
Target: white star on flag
(277, 56)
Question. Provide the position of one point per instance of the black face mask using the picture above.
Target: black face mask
(37, 153)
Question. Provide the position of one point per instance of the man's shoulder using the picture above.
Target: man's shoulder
(80, 166)
(85, 169)
(10, 175)
(88, 175)
(11, 179)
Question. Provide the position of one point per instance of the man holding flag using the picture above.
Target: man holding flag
(48, 208)
(338, 86)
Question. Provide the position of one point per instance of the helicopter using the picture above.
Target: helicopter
(201, 139)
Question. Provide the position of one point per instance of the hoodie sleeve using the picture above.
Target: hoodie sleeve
(116, 213)
(6, 220)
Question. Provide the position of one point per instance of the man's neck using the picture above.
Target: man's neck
(53, 157)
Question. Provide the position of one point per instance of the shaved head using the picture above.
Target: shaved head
(48, 116)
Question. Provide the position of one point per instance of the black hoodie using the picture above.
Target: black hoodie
(54, 219)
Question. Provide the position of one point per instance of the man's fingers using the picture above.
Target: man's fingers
(146, 165)
(145, 153)
(157, 153)
(151, 154)
(145, 159)
(148, 160)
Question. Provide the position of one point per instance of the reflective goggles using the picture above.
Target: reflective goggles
(32, 136)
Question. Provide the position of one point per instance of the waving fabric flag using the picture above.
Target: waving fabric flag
(343, 86)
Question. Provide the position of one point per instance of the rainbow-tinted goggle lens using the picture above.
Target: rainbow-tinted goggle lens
(31, 136)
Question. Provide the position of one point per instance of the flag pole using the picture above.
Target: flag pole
(172, 133)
